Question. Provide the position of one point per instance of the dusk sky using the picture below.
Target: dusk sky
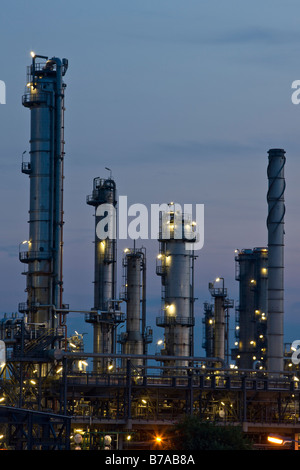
(182, 100)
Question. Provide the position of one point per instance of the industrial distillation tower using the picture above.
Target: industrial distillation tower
(251, 320)
(45, 99)
(106, 314)
(137, 336)
(175, 265)
(217, 321)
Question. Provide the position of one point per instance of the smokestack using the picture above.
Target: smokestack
(275, 224)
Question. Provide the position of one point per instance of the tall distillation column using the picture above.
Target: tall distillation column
(137, 335)
(275, 224)
(106, 314)
(208, 322)
(220, 320)
(45, 99)
(252, 274)
(219, 294)
(175, 265)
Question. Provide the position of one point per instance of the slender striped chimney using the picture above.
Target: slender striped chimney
(275, 224)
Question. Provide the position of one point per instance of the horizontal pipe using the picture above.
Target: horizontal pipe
(141, 356)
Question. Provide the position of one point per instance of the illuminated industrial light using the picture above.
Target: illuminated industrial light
(261, 336)
(257, 311)
(254, 358)
(275, 440)
(2, 399)
(253, 281)
(59, 370)
(72, 345)
(168, 260)
(158, 439)
(171, 309)
(160, 341)
(218, 279)
(126, 250)
(128, 437)
(110, 367)
(81, 364)
(144, 401)
(237, 327)
(32, 54)
(264, 270)
(33, 382)
(159, 256)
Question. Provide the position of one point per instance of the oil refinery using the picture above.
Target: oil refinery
(56, 395)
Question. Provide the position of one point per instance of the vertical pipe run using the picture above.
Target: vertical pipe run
(275, 225)
(208, 320)
(219, 343)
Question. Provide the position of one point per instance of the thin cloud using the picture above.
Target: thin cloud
(250, 35)
(197, 149)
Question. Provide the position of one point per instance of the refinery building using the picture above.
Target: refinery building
(55, 394)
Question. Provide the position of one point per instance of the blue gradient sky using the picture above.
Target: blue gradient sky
(182, 100)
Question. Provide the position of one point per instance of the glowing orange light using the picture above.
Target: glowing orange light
(275, 440)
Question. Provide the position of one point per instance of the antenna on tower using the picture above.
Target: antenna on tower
(108, 169)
